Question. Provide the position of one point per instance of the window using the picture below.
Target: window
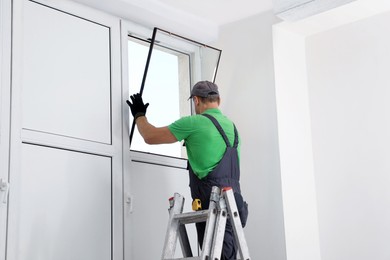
(175, 64)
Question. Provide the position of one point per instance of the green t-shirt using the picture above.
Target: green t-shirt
(205, 145)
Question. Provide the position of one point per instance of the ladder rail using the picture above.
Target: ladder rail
(184, 241)
(210, 224)
(172, 234)
(219, 232)
(236, 223)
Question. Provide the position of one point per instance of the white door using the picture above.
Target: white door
(65, 199)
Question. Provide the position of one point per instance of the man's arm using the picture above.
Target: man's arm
(152, 134)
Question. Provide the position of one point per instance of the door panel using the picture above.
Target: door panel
(151, 186)
(66, 75)
(64, 205)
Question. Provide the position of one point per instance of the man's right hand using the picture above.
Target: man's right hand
(137, 106)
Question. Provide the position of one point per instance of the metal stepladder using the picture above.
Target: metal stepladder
(222, 205)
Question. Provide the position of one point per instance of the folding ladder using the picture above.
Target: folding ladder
(222, 205)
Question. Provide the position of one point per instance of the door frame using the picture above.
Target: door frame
(5, 110)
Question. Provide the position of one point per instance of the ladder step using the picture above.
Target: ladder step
(191, 258)
(192, 217)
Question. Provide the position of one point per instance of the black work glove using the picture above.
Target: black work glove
(137, 107)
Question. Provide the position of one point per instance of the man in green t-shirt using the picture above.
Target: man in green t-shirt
(213, 148)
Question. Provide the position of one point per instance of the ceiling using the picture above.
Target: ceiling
(199, 19)
(221, 11)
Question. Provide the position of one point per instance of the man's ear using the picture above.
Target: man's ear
(196, 100)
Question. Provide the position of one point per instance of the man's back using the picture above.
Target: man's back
(205, 145)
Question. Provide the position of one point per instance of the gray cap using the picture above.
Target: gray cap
(204, 89)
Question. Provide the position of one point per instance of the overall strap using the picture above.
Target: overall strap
(219, 127)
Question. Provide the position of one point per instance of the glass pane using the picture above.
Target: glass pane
(162, 92)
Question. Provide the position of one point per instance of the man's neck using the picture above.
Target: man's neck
(209, 106)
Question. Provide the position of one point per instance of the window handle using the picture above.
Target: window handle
(4, 188)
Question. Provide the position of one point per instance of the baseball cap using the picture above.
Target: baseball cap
(204, 89)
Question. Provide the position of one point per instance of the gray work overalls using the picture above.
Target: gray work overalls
(226, 174)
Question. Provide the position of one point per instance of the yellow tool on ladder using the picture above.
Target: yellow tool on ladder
(222, 205)
(196, 205)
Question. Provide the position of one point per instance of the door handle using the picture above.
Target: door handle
(4, 188)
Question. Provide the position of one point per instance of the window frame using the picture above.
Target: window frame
(138, 32)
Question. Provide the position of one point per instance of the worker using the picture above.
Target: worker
(212, 161)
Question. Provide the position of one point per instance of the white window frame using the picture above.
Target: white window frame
(129, 28)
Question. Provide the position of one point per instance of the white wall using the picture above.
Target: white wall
(349, 99)
(342, 66)
(295, 144)
(246, 80)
